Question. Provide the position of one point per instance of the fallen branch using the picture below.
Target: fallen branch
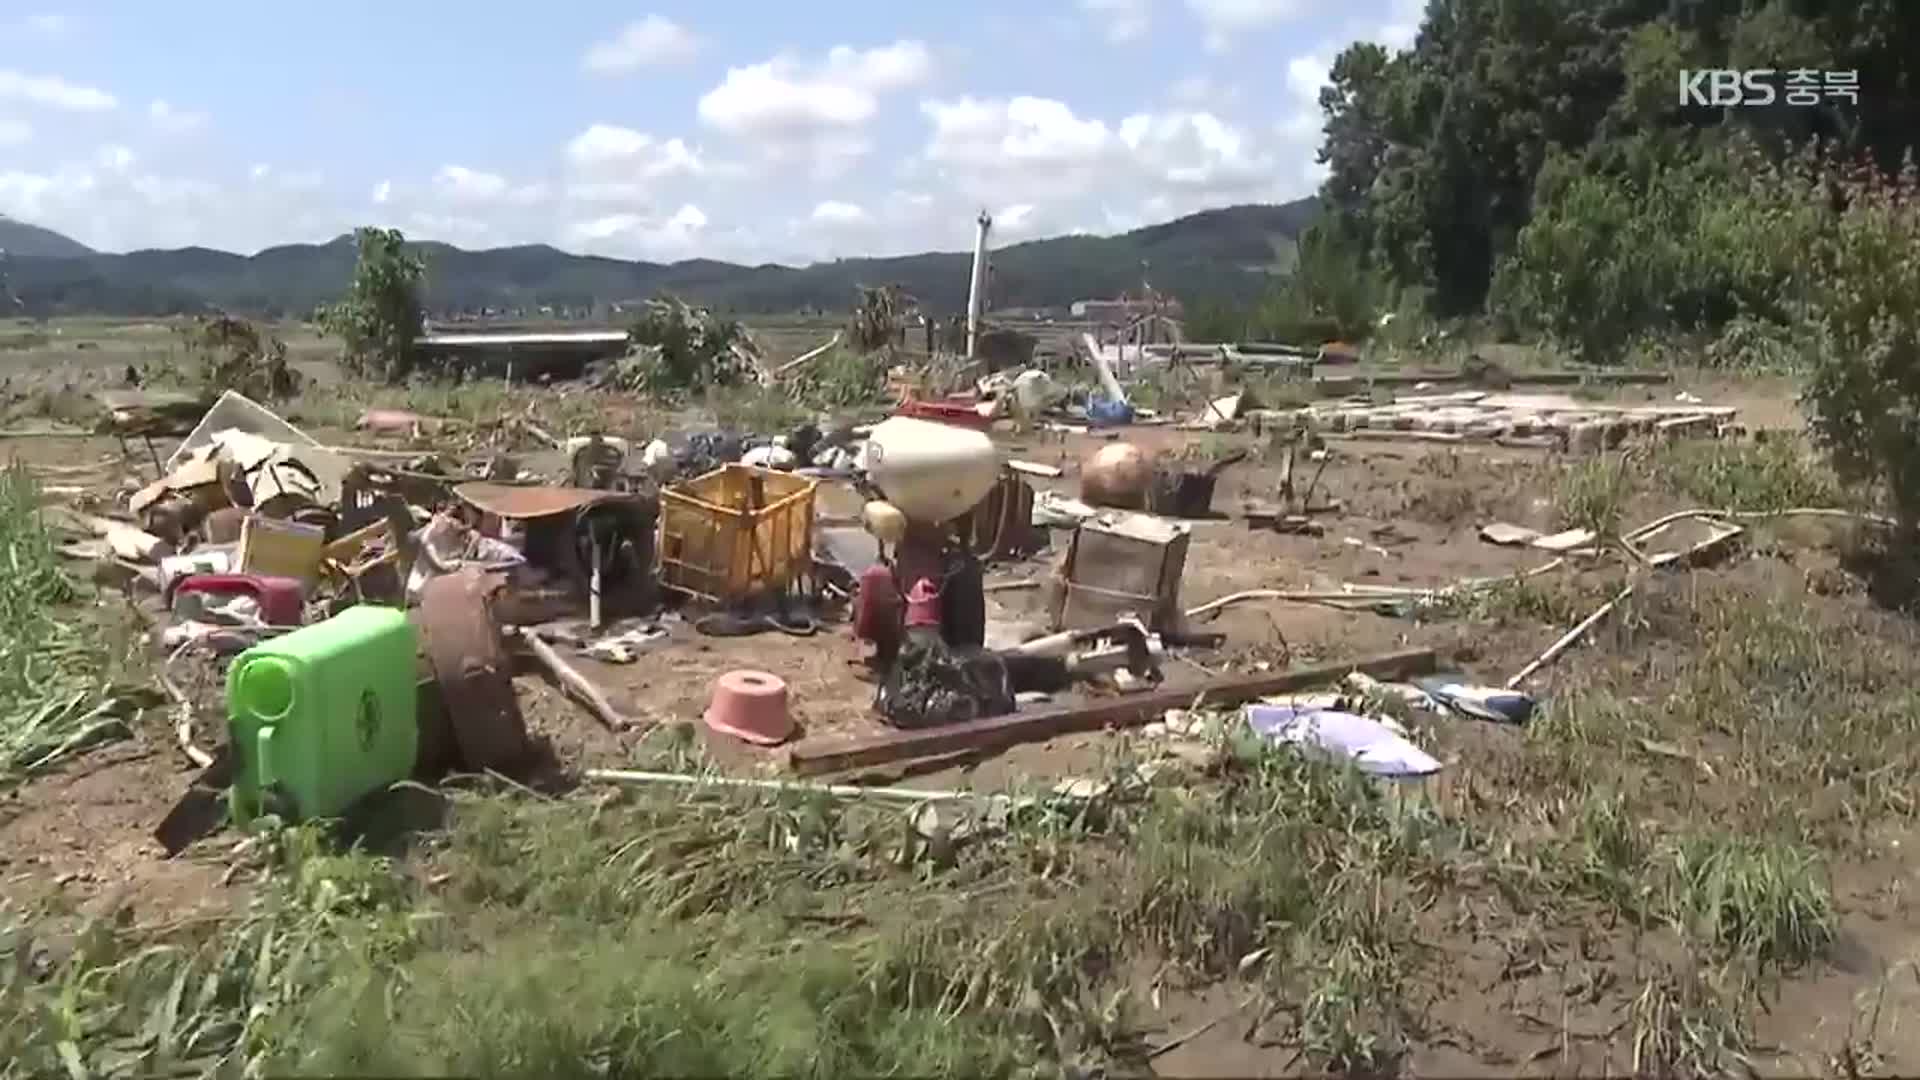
(577, 686)
(1567, 640)
(1181, 1040)
(183, 710)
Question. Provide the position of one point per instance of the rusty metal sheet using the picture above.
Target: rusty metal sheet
(520, 503)
(471, 666)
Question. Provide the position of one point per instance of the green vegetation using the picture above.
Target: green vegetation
(231, 354)
(52, 670)
(682, 348)
(381, 316)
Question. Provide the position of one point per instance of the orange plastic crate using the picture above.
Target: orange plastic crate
(736, 532)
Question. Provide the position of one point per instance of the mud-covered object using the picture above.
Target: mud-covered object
(932, 684)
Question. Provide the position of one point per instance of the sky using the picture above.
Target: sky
(746, 131)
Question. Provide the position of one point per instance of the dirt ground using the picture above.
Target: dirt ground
(1546, 1004)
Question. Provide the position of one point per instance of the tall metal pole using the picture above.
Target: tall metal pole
(977, 291)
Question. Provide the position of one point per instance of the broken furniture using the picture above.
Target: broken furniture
(597, 544)
(736, 533)
(1121, 564)
(371, 493)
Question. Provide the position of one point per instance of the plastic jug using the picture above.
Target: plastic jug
(932, 472)
(324, 715)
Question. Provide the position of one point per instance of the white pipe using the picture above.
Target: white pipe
(977, 290)
(844, 791)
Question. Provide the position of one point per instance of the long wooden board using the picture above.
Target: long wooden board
(1035, 725)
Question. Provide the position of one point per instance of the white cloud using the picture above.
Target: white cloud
(1122, 20)
(1041, 162)
(652, 41)
(1402, 25)
(115, 158)
(460, 182)
(117, 209)
(457, 183)
(382, 191)
(632, 153)
(1195, 150)
(1018, 133)
(1015, 222)
(834, 212)
(815, 113)
(1202, 91)
(643, 236)
(299, 180)
(880, 69)
(1225, 19)
(450, 228)
(170, 120)
(14, 132)
(54, 93)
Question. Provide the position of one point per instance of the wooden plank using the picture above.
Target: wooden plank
(1034, 468)
(1037, 725)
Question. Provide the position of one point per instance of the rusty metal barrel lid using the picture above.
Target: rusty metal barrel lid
(520, 502)
(471, 666)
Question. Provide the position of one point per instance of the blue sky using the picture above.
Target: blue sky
(745, 131)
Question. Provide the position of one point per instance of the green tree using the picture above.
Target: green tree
(1862, 337)
(380, 318)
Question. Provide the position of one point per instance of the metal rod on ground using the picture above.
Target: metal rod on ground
(593, 585)
(1566, 641)
(807, 356)
(576, 684)
(1042, 724)
(839, 791)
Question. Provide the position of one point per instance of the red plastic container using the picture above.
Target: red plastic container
(923, 605)
(876, 607)
(946, 412)
(281, 600)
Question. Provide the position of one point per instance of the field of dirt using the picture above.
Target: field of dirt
(1508, 983)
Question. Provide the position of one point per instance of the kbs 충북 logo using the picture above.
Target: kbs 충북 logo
(1728, 87)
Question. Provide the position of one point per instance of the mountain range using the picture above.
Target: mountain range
(1224, 254)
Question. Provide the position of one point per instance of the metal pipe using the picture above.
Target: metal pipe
(841, 791)
(977, 290)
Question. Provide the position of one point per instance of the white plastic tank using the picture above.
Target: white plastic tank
(932, 472)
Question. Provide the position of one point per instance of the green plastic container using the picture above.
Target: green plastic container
(324, 715)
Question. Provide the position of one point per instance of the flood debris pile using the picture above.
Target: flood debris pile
(365, 611)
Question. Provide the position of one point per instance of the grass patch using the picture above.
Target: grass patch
(672, 934)
(1592, 493)
(1779, 473)
(52, 669)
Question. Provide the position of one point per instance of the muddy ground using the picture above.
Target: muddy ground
(1499, 1000)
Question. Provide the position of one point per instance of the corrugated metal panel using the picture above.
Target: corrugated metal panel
(474, 341)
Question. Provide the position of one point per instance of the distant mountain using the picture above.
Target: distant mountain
(20, 238)
(1225, 254)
